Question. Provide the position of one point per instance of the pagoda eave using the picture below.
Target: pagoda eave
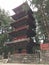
(20, 19)
(18, 29)
(25, 17)
(17, 41)
(20, 7)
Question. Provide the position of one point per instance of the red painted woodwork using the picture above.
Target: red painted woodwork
(24, 51)
(20, 37)
(44, 46)
(22, 27)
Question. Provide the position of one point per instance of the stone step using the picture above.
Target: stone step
(28, 58)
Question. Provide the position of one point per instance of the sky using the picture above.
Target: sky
(10, 4)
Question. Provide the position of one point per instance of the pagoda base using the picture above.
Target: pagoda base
(24, 58)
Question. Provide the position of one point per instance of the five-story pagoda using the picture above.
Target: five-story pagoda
(24, 30)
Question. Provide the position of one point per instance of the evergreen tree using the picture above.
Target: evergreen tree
(42, 19)
(5, 21)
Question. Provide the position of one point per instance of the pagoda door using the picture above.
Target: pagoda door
(19, 50)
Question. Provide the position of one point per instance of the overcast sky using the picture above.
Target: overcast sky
(10, 4)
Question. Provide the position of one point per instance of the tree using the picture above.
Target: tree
(42, 18)
(5, 21)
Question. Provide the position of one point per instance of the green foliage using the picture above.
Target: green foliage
(5, 18)
(3, 38)
(5, 21)
(42, 17)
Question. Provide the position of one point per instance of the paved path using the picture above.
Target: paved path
(23, 64)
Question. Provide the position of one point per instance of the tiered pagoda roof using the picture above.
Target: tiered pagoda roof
(21, 8)
(25, 21)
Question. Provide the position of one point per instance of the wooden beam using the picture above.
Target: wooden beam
(16, 41)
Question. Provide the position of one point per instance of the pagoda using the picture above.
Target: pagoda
(24, 30)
